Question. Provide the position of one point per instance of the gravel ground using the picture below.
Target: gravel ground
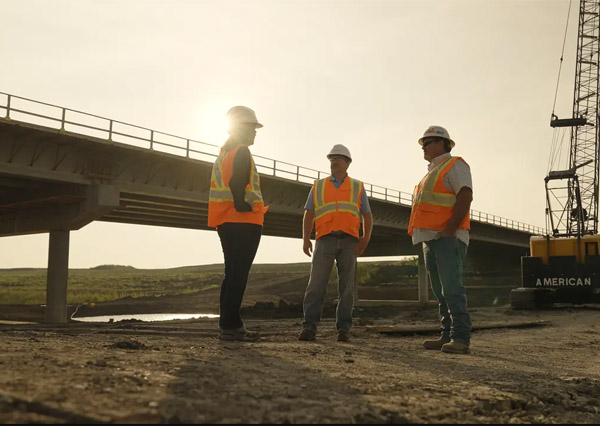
(179, 371)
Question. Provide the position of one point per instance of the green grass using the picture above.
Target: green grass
(110, 282)
(28, 286)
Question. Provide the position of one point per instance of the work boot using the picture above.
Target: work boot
(436, 345)
(343, 336)
(238, 335)
(456, 347)
(307, 335)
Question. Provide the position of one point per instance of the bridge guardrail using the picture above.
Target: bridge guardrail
(69, 120)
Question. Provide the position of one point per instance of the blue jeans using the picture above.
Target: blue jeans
(330, 248)
(443, 260)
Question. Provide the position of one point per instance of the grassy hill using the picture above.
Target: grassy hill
(110, 282)
(268, 282)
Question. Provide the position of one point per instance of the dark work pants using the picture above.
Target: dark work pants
(240, 243)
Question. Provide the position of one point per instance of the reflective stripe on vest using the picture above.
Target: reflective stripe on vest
(220, 192)
(221, 208)
(351, 206)
(337, 209)
(425, 191)
(433, 203)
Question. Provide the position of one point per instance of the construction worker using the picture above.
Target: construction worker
(440, 221)
(335, 205)
(236, 209)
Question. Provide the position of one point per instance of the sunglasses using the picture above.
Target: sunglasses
(429, 141)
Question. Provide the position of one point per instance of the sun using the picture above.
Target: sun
(212, 123)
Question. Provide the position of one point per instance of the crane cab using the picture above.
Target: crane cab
(559, 270)
(548, 247)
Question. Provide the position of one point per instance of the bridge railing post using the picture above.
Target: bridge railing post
(62, 120)
(151, 139)
(110, 130)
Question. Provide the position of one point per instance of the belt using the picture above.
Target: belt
(343, 235)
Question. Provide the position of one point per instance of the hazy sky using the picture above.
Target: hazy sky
(370, 74)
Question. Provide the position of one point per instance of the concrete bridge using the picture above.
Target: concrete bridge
(61, 169)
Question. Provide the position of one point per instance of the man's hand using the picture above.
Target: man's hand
(243, 207)
(361, 246)
(307, 226)
(307, 247)
(461, 209)
(363, 241)
(444, 233)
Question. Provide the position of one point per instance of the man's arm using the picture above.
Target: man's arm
(240, 178)
(307, 227)
(363, 241)
(461, 209)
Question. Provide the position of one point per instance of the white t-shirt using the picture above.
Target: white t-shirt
(458, 177)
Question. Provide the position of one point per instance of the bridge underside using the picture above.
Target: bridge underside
(56, 182)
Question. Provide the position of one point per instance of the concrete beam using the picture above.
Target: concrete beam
(98, 200)
(58, 276)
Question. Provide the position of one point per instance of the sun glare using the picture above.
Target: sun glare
(212, 123)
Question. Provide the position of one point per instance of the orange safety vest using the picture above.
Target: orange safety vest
(433, 203)
(220, 203)
(337, 209)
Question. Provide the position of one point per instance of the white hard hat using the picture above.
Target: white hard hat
(242, 114)
(439, 132)
(340, 149)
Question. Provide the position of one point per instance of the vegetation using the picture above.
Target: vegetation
(381, 273)
(376, 280)
(28, 286)
(110, 282)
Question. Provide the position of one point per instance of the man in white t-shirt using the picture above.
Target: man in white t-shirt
(440, 221)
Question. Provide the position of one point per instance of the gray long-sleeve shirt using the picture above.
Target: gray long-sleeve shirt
(240, 178)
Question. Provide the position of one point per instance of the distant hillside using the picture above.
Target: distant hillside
(112, 268)
(110, 282)
(199, 285)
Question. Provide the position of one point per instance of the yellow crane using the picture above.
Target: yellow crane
(564, 265)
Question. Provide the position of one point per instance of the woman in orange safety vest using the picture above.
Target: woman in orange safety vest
(236, 209)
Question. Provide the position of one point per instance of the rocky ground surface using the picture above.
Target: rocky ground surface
(179, 371)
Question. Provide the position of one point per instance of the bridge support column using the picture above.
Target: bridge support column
(423, 280)
(58, 275)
